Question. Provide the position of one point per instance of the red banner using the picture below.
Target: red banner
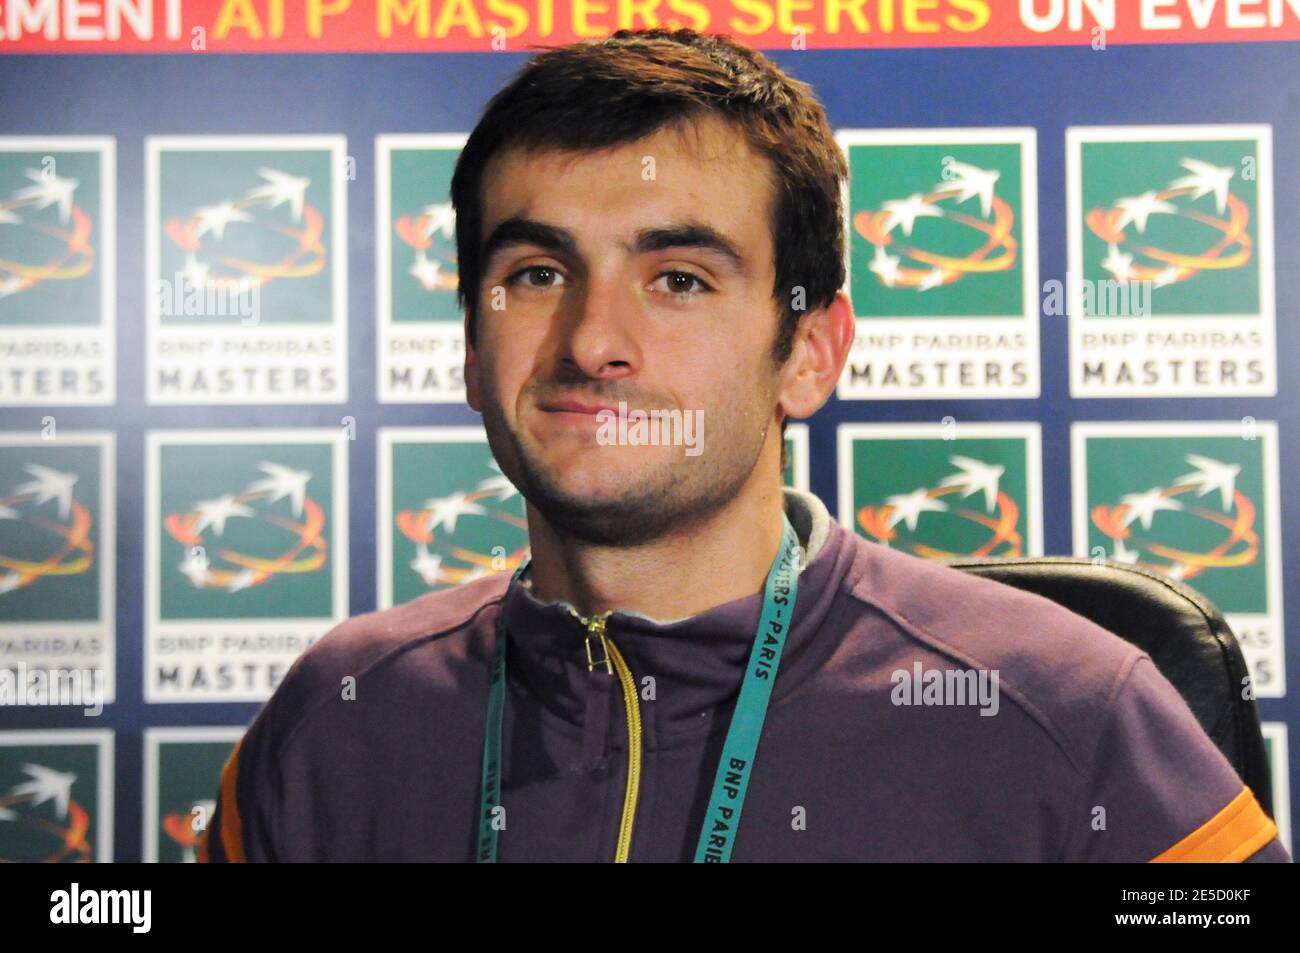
(320, 26)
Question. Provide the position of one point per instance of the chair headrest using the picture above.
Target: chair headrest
(1186, 636)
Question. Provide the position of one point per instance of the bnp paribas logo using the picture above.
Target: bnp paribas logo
(182, 777)
(420, 226)
(421, 334)
(55, 796)
(57, 269)
(247, 555)
(56, 553)
(247, 268)
(942, 227)
(251, 518)
(1183, 215)
(236, 223)
(943, 490)
(430, 237)
(1172, 225)
(51, 507)
(944, 235)
(1197, 502)
(49, 240)
(447, 514)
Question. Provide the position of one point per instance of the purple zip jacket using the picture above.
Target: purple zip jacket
(1058, 740)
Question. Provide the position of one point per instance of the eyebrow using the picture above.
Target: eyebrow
(518, 230)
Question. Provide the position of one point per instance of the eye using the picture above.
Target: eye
(679, 284)
(545, 272)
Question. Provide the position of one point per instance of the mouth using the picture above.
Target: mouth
(574, 408)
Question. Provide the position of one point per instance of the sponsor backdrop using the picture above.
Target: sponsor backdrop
(230, 354)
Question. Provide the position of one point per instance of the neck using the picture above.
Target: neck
(723, 557)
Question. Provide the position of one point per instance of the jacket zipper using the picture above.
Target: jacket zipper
(613, 661)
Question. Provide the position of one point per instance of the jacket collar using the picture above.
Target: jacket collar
(697, 663)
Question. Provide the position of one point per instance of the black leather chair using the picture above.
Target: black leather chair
(1182, 631)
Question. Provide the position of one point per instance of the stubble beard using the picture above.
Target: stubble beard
(670, 498)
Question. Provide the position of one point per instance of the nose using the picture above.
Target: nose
(598, 336)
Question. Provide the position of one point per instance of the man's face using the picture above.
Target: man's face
(594, 292)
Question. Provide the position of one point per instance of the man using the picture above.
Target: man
(653, 222)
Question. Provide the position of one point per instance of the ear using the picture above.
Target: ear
(821, 348)
(471, 372)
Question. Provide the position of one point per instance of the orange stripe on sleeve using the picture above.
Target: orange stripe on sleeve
(1230, 836)
(232, 829)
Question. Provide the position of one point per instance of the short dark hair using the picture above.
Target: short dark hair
(599, 93)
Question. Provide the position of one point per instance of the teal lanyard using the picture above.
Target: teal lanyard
(718, 833)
